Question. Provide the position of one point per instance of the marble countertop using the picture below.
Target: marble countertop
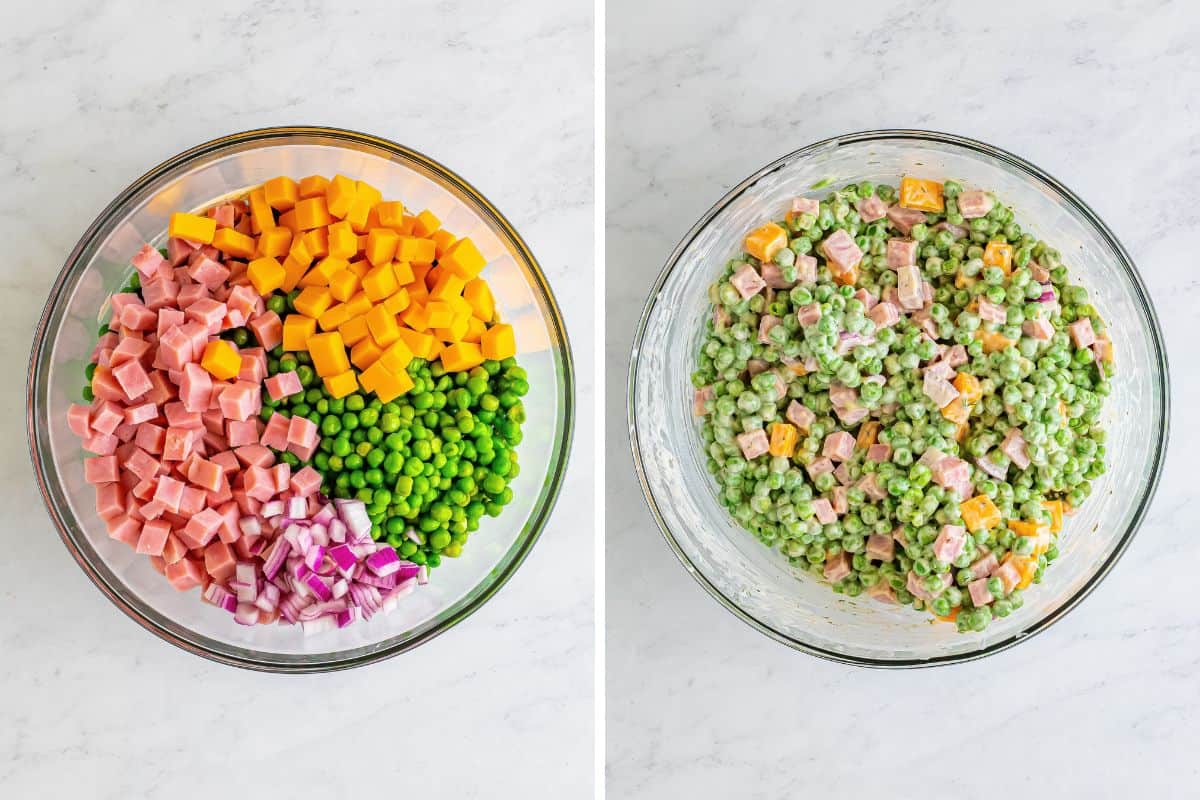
(93, 95)
(1103, 97)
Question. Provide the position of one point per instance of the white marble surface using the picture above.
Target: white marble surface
(1103, 97)
(95, 93)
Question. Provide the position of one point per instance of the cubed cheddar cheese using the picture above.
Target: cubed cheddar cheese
(274, 242)
(365, 198)
(342, 384)
(192, 227)
(461, 356)
(358, 304)
(1055, 508)
(313, 186)
(406, 225)
(386, 384)
(294, 272)
(415, 317)
(230, 242)
(311, 212)
(397, 302)
(354, 330)
(765, 241)
(979, 513)
(339, 195)
(343, 284)
(391, 213)
(475, 330)
(262, 219)
(365, 353)
(455, 331)
(296, 331)
(998, 254)
(397, 356)
(993, 341)
(968, 387)
(439, 313)
(221, 359)
(281, 193)
(426, 224)
(382, 326)
(322, 271)
(447, 285)
(922, 195)
(479, 295)
(498, 342)
(266, 275)
(416, 250)
(360, 267)
(404, 272)
(343, 241)
(784, 437)
(317, 242)
(867, 434)
(313, 301)
(442, 241)
(463, 259)
(328, 354)
(380, 282)
(1038, 531)
(334, 317)
(956, 411)
(422, 345)
(288, 220)
(381, 246)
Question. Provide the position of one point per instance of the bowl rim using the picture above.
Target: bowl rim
(556, 470)
(1147, 308)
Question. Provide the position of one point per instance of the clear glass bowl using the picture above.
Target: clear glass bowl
(756, 583)
(99, 265)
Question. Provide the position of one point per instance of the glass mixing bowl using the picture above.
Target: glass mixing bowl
(756, 583)
(99, 265)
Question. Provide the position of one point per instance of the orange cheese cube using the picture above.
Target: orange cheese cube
(221, 359)
(416, 317)
(1038, 531)
(274, 242)
(922, 195)
(288, 220)
(365, 353)
(343, 284)
(354, 330)
(979, 513)
(998, 254)
(380, 282)
(359, 304)
(475, 330)
(265, 274)
(294, 271)
(397, 356)
(479, 295)
(317, 242)
(968, 387)
(342, 384)
(956, 410)
(461, 356)
(365, 198)
(382, 325)
(783, 441)
(313, 301)
(281, 193)
(442, 241)
(343, 242)
(299, 249)
(381, 246)
(312, 213)
(448, 285)
(498, 342)
(421, 344)
(360, 267)
(230, 242)
(262, 219)
(339, 195)
(404, 272)
(397, 302)
(323, 270)
(765, 241)
(439, 313)
(406, 225)
(455, 331)
(867, 434)
(415, 250)
(993, 341)
(334, 317)
(391, 213)
(1026, 567)
(296, 331)
(463, 259)
(192, 227)
(313, 186)
(1055, 507)
(328, 354)
(386, 384)
(425, 224)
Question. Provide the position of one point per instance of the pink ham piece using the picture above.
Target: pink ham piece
(956, 356)
(1015, 448)
(842, 395)
(852, 414)
(881, 547)
(866, 298)
(839, 446)
(806, 270)
(916, 585)
(991, 468)
(909, 291)
(178, 251)
(753, 444)
(132, 378)
(905, 218)
(805, 205)
(882, 592)
(799, 415)
(819, 466)
(884, 315)
(940, 370)
(974, 204)
(700, 399)
(938, 389)
(992, 312)
(306, 482)
(842, 473)
(1009, 576)
(1082, 333)
(985, 566)
(949, 471)
(980, 595)
(824, 511)
(949, 543)
(839, 499)
(879, 453)
(153, 537)
(837, 567)
(1039, 329)
(869, 484)
(208, 272)
(275, 433)
(267, 329)
(103, 469)
(747, 281)
(756, 366)
(871, 208)
(957, 231)
(242, 400)
(147, 261)
(841, 251)
(901, 253)
(809, 315)
(765, 325)
(195, 389)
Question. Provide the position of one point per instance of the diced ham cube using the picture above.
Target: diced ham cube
(956, 356)
(949, 543)
(175, 349)
(809, 315)
(207, 312)
(79, 420)
(980, 595)
(160, 293)
(169, 492)
(206, 271)
(106, 416)
(150, 437)
(241, 433)
(805, 205)
(842, 395)
(772, 275)
(282, 475)
(819, 466)
(1082, 333)
(147, 261)
(866, 298)
(938, 389)
(992, 312)
(1039, 329)
(1015, 448)
(839, 446)
(871, 208)
(205, 474)
(916, 585)
(129, 349)
(700, 400)
(254, 455)
(974, 204)
(110, 500)
(957, 231)
(908, 288)
(101, 444)
(142, 464)
(985, 566)
(1009, 576)
(275, 433)
(219, 560)
(135, 415)
(132, 378)
(302, 431)
(939, 370)
(839, 499)
(178, 443)
(267, 329)
(882, 592)
(991, 468)
(242, 400)
(753, 443)
(841, 251)
(869, 484)
(901, 253)
(124, 529)
(949, 471)
(259, 483)
(852, 414)
(153, 537)
(137, 317)
(252, 370)
(747, 281)
(905, 218)
(806, 270)
(884, 315)
(306, 482)
(879, 453)
(824, 511)
(178, 251)
(881, 546)
(765, 325)
(103, 469)
(800, 416)
(837, 567)
(185, 574)
(195, 389)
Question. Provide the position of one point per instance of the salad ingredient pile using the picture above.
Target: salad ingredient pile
(902, 391)
(302, 403)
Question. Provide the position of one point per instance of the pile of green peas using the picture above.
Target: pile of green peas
(1052, 391)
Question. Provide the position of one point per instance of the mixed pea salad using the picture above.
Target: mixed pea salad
(901, 390)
